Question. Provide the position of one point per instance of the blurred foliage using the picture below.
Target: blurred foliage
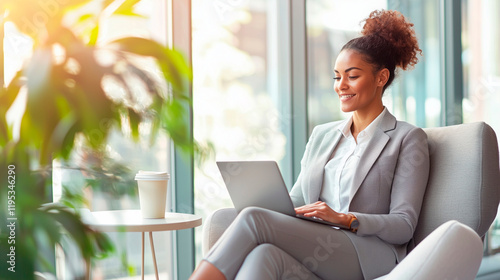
(112, 178)
(106, 175)
(67, 99)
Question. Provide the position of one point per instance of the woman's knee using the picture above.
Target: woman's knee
(253, 214)
(258, 223)
(252, 210)
(265, 249)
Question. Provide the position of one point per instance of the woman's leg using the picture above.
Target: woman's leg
(268, 262)
(206, 270)
(326, 252)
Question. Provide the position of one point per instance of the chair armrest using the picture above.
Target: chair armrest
(215, 225)
(451, 251)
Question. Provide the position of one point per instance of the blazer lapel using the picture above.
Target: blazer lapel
(328, 144)
(372, 152)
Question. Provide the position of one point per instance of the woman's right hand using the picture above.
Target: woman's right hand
(321, 210)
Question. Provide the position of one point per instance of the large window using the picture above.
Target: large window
(115, 166)
(480, 57)
(414, 95)
(480, 37)
(329, 27)
(113, 186)
(238, 102)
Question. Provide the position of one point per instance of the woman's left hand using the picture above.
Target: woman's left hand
(321, 210)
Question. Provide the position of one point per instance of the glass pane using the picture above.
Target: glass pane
(113, 186)
(480, 39)
(17, 48)
(236, 105)
(414, 96)
(330, 24)
(480, 57)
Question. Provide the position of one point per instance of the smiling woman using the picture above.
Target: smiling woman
(366, 66)
(340, 181)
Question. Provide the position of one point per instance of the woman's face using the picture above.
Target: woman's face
(358, 86)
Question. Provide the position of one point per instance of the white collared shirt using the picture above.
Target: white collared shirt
(340, 169)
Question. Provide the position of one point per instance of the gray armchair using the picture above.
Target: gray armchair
(460, 204)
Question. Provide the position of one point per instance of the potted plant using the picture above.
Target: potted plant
(64, 83)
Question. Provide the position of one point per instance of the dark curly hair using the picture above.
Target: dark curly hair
(388, 41)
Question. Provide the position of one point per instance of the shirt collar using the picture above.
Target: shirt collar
(368, 131)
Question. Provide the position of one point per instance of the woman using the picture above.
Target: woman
(368, 172)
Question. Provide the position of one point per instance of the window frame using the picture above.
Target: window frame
(179, 15)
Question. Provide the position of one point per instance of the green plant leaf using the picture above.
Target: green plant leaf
(85, 17)
(64, 37)
(4, 130)
(127, 8)
(175, 118)
(63, 136)
(155, 129)
(104, 245)
(82, 234)
(134, 120)
(69, 141)
(9, 94)
(94, 35)
(148, 81)
(174, 68)
(141, 46)
(179, 64)
(7, 97)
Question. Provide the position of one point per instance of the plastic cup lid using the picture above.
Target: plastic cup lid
(152, 175)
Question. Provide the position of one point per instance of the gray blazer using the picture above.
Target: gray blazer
(388, 189)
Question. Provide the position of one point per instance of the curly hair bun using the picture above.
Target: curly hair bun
(396, 30)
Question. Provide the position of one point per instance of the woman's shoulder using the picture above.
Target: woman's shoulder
(403, 125)
(405, 129)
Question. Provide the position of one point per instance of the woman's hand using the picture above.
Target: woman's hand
(321, 210)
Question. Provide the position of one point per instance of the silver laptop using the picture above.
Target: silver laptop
(260, 184)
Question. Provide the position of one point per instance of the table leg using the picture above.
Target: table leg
(153, 252)
(142, 261)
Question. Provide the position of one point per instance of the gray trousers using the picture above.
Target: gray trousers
(262, 244)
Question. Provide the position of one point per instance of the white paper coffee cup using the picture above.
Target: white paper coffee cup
(152, 193)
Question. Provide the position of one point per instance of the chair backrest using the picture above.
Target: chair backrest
(464, 179)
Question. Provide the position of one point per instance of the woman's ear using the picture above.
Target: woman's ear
(383, 77)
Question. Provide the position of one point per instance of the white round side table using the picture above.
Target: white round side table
(132, 221)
